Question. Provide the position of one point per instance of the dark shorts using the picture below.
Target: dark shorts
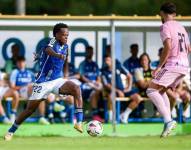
(133, 91)
(86, 93)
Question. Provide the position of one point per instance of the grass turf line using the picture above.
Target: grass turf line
(100, 143)
(67, 130)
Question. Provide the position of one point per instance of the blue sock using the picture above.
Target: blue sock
(79, 115)
(94, 111)
(13, 128)
(13, 111)
(50, 108)
(3, 117)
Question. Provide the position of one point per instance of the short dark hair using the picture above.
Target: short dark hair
(160, 50)
(168, 8)
(21, 58)
(15, 46)
(57, 28)
(89, 47)
(134, 45)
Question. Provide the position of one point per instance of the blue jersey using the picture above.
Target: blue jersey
(72, 69)
(89, 69)
(154, 64)
(21, 77)
(131, 64)
(107, 75)
(51, 68)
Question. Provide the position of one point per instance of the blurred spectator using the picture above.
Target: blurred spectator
(143, 75)
(155, 63)
(11, 63)
(91, 86)
(133, 62)
(21, 80)
(180, 95)
(121, 90)
(6, 91)
(108, 53)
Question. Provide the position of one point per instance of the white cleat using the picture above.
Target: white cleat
(44, 121)
(58, 107)
(6, 121)
(168, 127)
(8, 136)
(12, 118)
(124, 118)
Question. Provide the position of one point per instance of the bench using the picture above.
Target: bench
(126, 99)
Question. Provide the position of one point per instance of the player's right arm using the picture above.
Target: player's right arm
(49, 50)
(81, 71)
(13, 77)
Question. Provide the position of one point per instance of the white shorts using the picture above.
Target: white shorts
(3, 90)
(42, 90)
(23, 92)
(168, 78)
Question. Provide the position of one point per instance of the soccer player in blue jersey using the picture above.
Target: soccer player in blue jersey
(53, 60)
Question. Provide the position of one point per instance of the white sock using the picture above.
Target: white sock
(110, 113)
(158, 101)
(166, 101)
(128, 111)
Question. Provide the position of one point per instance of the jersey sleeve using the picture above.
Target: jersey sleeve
(138, 74)
(122, 69)
(13, 76)
(51, 42)
(97, 70)
(104, 79)
(165, 33)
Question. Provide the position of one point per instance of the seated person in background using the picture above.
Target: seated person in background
(155, 64)
(121, 91)
(12, 62)
(180, 95)
(21, 80)
(132, 62)
(143, 75)
(91, 86)
(6, 91)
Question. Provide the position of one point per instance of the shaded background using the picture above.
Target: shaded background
(95, 7)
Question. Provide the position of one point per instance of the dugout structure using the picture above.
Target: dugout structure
(98, 31)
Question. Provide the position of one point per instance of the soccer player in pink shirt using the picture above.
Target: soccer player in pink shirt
(173, 66)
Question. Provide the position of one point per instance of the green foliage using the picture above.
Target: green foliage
(95, 7)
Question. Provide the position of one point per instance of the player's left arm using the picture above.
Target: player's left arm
(164, 56)
(129, 77)
(129, 82)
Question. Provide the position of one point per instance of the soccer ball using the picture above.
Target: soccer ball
(94, 128)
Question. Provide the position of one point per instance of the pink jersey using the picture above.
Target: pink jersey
(178, 57)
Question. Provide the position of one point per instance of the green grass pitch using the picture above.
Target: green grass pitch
(128, 137)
